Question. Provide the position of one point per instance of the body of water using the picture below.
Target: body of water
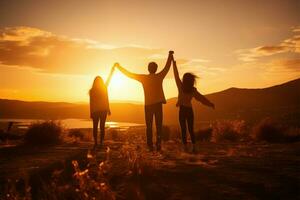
(72, 123)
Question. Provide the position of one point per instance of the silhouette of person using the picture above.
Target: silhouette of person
(154, 98)
(186, 92)
(99, 105)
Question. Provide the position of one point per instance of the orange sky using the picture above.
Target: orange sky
(52, 50)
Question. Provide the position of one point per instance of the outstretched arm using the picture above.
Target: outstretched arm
(110, 75)
(176, 75)
(128, 73)
(203, 100)
(165, 70)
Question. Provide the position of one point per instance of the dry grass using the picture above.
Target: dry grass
(126, 170)
(91, 178)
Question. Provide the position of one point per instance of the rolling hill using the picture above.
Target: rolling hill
(280, 101)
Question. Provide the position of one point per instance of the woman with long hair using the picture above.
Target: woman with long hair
(99, 105)
(186, 92)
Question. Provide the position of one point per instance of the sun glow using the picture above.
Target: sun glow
(117, 81)
(122, 88)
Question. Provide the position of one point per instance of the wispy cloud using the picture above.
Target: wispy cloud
(50, 53)
(287, 65)
(288, 45)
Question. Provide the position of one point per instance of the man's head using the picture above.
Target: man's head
(152, 67)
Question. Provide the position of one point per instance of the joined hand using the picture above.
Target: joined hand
(116, 65)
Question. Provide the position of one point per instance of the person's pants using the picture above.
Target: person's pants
(99, 117)
(186, 115)
(156, 111)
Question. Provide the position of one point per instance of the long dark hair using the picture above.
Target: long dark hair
(98, 88)
(188, 82)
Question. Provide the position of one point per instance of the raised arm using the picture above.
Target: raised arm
(176, 75)
(128, 73)
(165, 70)
(203, 100)
(110, 75)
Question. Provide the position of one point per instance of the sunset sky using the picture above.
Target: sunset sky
(52, 50)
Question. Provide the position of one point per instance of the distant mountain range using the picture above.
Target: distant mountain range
(280, 101)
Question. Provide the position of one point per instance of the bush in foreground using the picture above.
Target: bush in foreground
(228, 130)
(41, 133)
(273, 131)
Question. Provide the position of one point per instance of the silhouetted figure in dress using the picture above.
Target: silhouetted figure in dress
(99, 106)
(186, 92)
(154, 97)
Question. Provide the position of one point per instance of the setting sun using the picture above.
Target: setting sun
(118, 81)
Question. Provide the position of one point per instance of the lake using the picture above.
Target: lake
(72, 123)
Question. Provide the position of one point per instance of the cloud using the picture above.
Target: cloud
(269, 50)
(200, 68)
(296, 29)
(288, 45)
(43, 51)
(50, 53)
(285, 65)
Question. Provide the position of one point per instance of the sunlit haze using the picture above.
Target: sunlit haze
(52, 50)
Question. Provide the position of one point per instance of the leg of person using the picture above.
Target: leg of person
(158, 122)
(102, 126)
(95, 129)
(182, 122)
(149, 120)
(190, 121)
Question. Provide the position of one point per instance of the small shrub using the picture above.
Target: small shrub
(268, 130)
(228, 130)
(41, 133)
(204, 134)
(271, 130)
(76, 133)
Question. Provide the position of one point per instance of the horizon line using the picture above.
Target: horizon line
(138, 102)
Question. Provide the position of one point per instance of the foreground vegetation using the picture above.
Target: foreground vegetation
(234, 161)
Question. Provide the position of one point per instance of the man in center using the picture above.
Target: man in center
(154, 97)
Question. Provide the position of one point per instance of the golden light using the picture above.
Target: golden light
(122, 88)
(117, 81)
